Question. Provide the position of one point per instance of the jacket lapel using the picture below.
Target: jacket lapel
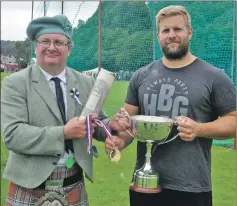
(41, 86)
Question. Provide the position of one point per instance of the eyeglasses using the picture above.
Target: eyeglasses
(57, 44)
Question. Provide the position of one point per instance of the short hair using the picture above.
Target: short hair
(70, 43)
(170, 11)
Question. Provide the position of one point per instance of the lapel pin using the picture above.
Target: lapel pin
(74, 93)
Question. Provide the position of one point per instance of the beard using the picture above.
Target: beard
(176, 54)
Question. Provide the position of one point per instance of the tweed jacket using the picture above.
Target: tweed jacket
(32, 126)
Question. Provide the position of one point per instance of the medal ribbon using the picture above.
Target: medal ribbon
(74, 93)
(89, 133)
(89, 130)
(101, 124)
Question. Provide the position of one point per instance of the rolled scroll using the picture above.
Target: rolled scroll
(99, 92)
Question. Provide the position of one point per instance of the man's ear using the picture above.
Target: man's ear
(35, 48)
(69, 51)
(158, 36)
(190, 33)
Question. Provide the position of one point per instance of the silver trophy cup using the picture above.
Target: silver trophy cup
(152, 130)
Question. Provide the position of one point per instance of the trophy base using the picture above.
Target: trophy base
(145, 190)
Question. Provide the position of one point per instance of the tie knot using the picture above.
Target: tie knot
(56, 80)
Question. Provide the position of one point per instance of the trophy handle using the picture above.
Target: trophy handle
(174, 128)
(132, 133)
(169, 140)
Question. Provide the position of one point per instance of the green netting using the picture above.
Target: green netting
(127, 42)
(214, 37)
(128, 33)
(126, 39)
(223, 143)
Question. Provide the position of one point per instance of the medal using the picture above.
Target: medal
(114, 155)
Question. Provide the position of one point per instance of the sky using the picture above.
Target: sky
(16, 15)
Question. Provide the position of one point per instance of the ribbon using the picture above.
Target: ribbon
(89, 128)
(113, 154)
(89, 133)
(101, 124)
(74, 93)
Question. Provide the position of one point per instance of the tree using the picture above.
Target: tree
(23, 50)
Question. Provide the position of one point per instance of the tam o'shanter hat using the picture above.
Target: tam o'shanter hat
(58, 24)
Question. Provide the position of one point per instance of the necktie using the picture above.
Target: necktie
(61, 105)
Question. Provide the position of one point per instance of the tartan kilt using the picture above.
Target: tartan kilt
(75, 194)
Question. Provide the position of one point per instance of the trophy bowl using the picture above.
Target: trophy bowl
(152, 130)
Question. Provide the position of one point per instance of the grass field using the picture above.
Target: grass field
(112, 180)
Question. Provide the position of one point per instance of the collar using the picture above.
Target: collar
(61, 76)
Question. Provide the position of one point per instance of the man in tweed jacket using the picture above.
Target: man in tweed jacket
(33, 127)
